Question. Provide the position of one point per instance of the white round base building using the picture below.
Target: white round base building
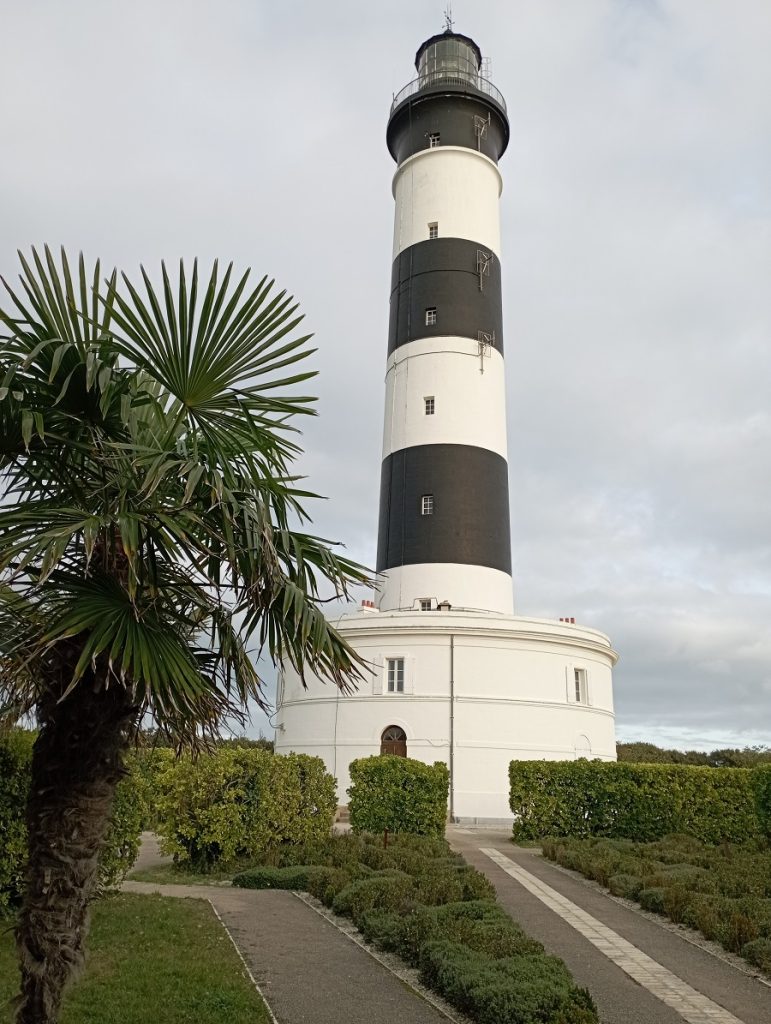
(454, 675)
(471, 689)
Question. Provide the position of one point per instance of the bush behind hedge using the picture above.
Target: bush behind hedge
(397, 794)
(121, 843)
(15, 760)
(238, 802)
(642, 802)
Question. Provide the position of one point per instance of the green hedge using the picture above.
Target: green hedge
(761, 784)
(418, 899)
(15, 759)
(121, 842)
(642, 802)
(397, 794)
(236, 802)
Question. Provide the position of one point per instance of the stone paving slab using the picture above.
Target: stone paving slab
(308, 971)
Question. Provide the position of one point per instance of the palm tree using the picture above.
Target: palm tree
(151, 530)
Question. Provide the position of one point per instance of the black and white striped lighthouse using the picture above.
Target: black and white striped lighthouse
(475, 685)
(444, 533)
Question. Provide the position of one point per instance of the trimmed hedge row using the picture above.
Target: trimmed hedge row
(397, 794)
(237, 802)
(761, 784)
(121, 842)
(642, 802)
(419, 900)
(722, 891)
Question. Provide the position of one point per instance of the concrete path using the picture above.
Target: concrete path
(638, 971)
(308, 971)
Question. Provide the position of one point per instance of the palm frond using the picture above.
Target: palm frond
(149, 530)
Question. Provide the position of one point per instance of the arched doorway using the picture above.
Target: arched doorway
(394, 741)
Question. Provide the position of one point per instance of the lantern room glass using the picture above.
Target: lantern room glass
(450, 59)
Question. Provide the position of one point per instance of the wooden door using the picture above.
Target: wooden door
(394, 741)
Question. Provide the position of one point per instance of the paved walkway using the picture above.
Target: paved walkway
(638, 971)
(308, 971)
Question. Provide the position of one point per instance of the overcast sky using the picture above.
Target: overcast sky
(636, 260)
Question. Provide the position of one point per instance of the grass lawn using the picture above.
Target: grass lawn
(168, 874)
(151, 958)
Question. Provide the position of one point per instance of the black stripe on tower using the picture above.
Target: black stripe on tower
(459, 279)
(452, 118)
(469, 522)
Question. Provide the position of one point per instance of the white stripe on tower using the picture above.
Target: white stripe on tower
(444, 520)
(456, 188)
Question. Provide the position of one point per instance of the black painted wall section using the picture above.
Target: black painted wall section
(452, 116)
(442, 273)
(470, 523)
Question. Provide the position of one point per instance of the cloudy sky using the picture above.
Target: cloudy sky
(636, 263)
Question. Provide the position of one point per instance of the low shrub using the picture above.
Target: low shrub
(652, 899)
(758, 953)
(515, 990)
(628, 886)
(381, 891)
(397, 794)
(295, 878)
(325, 887)
(417, 899)
(722, 891)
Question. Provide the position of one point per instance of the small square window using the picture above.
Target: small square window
(433, 230)
(425, 604)
(427, 505)
(579, 679)
(431, 316)
(395, 669)
(433, 139)
(430, 405)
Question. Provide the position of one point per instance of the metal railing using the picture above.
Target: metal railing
(439, 78)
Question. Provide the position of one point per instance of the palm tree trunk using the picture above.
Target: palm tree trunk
(77, 762)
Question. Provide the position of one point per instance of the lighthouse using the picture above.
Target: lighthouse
(453, 673)
(444, 533)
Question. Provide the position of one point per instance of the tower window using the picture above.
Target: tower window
(433, 139)
(425, 604)
(395, 669)
(579, 679)
(430, 405)
(431, 316)
(427, 505)
(433, 230)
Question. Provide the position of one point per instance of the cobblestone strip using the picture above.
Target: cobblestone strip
(692, 1005)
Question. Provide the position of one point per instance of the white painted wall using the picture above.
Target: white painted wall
(454, 187)
(470, 405)
(512, 699)
(474, 587)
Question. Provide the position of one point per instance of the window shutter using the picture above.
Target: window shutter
(569, 679)
(377, 677)
(409, 681)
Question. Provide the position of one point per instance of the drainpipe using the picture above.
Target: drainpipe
(452, 727)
